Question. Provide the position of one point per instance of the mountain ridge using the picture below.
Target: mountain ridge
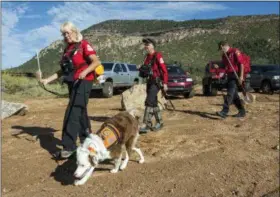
(192, 42)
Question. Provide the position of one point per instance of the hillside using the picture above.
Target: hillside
(192, 43)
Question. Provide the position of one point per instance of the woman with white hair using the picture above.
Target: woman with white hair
(78, 63)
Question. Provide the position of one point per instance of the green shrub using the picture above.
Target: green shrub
(22, 88)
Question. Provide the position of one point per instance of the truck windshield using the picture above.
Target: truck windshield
(108, 66)
(175, 70)
(220, 65)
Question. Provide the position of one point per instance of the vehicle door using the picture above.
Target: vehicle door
(256, 77)
(117, 74)
(125, 75)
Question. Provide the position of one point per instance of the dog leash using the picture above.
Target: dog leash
(50, 91)
(39, 77)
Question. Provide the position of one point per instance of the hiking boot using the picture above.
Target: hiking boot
(145, 129)
(158, 126)
(158, 118)
(148, 114)
(221, 114)
(240, 114)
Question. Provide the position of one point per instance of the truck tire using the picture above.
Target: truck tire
(205, 90)
(266, 87)
(136, 81)
(213, 90)
(107, 89)
(189, 94)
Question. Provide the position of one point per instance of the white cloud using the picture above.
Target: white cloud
(83, 14)
(11, 44)
(9, 20)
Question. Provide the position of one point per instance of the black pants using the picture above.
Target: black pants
(232, 95)
(76, 121)
(152, 92)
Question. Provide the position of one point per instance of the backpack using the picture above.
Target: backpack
(247, 64)
(146, 70)
(67, 66)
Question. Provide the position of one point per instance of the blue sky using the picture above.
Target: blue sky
(28, 27)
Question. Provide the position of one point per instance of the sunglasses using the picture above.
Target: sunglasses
(66, 33)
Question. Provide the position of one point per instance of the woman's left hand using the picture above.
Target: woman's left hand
(83, 74)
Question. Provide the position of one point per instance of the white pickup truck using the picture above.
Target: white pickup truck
(117, 76)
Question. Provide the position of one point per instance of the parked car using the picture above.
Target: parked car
(179, 82)
(265, 78)
(215, 79)
(117, 76)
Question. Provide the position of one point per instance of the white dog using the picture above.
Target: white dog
(116, 136)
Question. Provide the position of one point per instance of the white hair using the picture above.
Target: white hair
(73, 28)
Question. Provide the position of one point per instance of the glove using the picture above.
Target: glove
(240, 81)
(165, 88)
(44, 81)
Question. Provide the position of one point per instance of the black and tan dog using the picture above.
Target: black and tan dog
(116, 136)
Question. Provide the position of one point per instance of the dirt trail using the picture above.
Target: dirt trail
(196, 154)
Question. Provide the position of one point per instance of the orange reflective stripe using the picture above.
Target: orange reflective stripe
(110, 135)
(91, 150)
(117, 131)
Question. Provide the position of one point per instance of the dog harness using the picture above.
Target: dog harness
(110, 135)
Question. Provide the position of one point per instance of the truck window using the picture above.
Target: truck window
(220, 64)
(271, 68)
(132, 67)
(255, 70)
(117, 68)
(124, 68)
(108, 66)
(174, 70)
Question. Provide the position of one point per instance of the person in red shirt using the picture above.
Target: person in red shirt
(233, 61)
(78, 63)
(155, 72)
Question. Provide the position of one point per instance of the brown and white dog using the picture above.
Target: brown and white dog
(116, 136)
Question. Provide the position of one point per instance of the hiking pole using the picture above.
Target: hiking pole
(38, 73)
(39, 77)
(165, 95)
(248, 97)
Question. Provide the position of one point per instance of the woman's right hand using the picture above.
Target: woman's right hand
(44, 81)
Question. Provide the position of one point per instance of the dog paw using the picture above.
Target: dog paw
(77, 182)
(141, 161)
(123, 166)
(114, 170)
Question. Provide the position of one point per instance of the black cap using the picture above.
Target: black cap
(222, 43)
(148, 41)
